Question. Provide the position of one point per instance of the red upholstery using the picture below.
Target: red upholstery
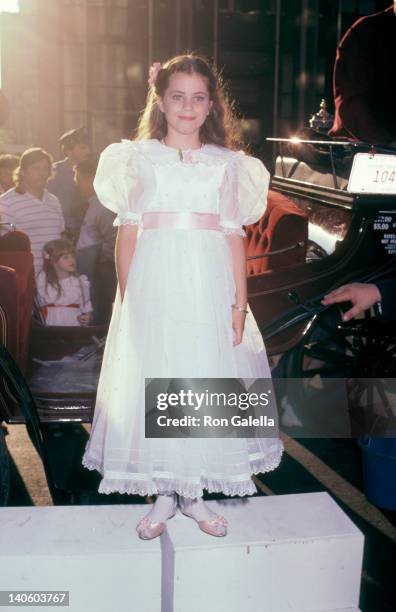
(282, 225)
(15, 241)
(15, 256)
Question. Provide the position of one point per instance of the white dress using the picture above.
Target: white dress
(176, 319)
(64, 308)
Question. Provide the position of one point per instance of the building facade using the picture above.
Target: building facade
(68, 63)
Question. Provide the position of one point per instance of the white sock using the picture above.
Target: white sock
(162, 508)
(197, 508)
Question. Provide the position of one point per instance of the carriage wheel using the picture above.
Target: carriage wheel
(354, 350)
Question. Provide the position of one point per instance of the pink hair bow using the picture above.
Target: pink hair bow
(153, 73)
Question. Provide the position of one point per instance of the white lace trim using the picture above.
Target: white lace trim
(184, 488)
(125, 220)
(159, 155)
(232, 230)
(207, 161)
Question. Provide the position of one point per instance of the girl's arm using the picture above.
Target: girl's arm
(85, 318)
(238, 254)
(124, 250)
(42, 289)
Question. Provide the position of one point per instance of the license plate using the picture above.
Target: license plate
(373, 174)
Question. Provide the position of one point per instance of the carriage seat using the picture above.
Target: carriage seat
(280, 235)
(17, 287)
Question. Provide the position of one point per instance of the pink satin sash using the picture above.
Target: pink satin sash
(181, 220)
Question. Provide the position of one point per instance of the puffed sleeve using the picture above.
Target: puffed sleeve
(243, 193)
(117, 182)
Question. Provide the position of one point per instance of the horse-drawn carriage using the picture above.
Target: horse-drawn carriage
(351, 238)
(346, 191)
(315, 235)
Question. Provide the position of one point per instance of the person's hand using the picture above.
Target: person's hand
(362, 296)
(238, 324)
(85, 318)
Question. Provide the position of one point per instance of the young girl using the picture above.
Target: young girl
(62, 294)
(182, 195)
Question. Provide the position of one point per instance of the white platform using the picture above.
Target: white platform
(298, 553)
(91, 551)
(288, 552)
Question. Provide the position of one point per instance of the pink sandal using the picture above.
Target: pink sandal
(148, 530)
(216, 527)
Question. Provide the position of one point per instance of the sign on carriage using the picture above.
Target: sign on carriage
(373, 174)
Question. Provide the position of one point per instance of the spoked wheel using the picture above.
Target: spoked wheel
(358, 350)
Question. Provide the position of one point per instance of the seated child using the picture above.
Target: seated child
(63, 295)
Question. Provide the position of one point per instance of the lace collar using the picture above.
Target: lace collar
(161, 154)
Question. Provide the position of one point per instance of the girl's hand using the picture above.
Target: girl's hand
(85, 318)
(238, 324)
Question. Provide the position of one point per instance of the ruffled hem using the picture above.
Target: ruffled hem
(184, 488)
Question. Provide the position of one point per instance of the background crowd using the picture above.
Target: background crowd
(71, 234)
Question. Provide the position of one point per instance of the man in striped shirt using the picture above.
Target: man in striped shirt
(30, 207)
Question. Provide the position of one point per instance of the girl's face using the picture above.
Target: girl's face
(186, 102)
(65, 265)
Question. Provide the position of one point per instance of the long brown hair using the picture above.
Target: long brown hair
(220, 127)
(52, 252)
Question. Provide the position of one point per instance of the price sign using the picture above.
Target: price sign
(385, 227)
(373, 174)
